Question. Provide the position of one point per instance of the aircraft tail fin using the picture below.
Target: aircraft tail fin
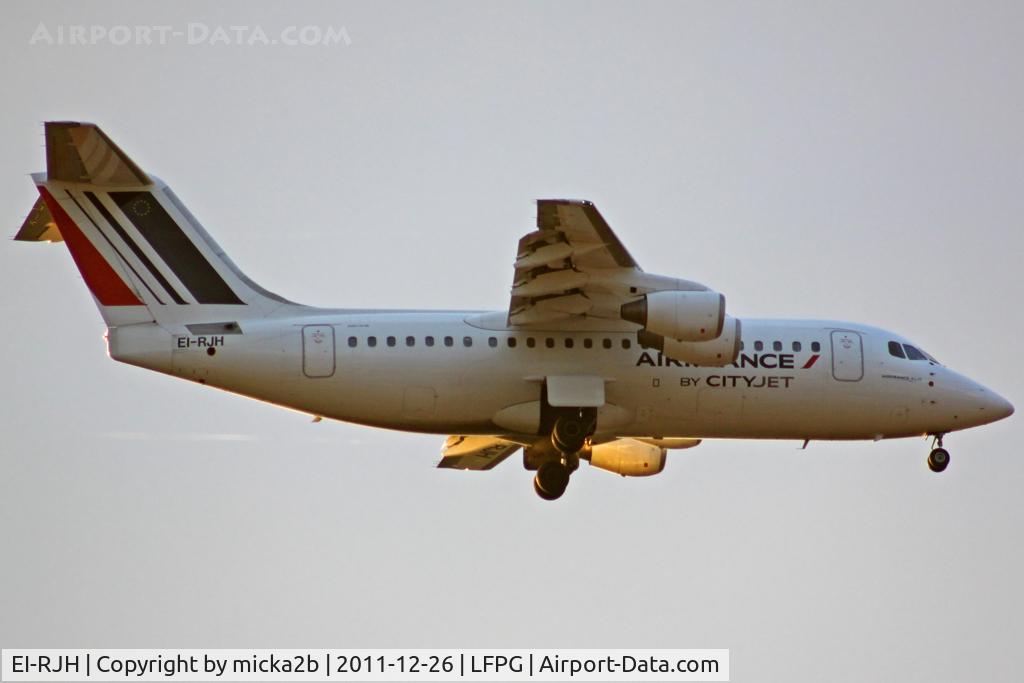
(143, 255)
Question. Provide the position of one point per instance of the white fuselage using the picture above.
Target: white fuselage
(451, 372)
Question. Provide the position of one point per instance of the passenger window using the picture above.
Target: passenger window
(467, 341)
(492, 342)
(568, 342)
(448, 341)
(607, 343)
(588, 343)
(896, 350)
(391, 341)
(626, 343)
(410, 341)
(549, 342)
(758, 346)
(797, 346)
(371, 341)
(815, 346)
(776, 346)
(429, 341)
(511, 342)
(531, 342)
(913, 353)
(743, 345)
(352, 342)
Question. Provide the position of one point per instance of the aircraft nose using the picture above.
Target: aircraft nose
(993, 406)
(999, 406)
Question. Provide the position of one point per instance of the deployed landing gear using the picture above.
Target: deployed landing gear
(938, 459)
(557, 460)
(551, 479)
(569, 433)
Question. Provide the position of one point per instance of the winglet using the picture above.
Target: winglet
(82, 153)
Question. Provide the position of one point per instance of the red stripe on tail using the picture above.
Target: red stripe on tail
(105, 284)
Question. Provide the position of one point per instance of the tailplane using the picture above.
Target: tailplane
(143, 255)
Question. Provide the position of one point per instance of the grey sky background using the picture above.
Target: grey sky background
(858, 161)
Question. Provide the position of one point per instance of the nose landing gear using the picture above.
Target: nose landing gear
(938, 459)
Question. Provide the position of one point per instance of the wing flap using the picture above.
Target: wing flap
(548, 282)
(573, 268)
(572, 256)
(582, 224)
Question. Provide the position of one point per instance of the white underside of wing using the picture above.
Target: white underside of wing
(475, 452)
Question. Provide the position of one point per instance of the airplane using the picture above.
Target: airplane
(594, 359)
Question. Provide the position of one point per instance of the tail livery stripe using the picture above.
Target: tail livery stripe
(105, 284)
(141, 255)
(114, 247)
(175, 248)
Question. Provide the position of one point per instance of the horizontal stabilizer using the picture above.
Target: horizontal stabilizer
(39, 225)
(82, 153)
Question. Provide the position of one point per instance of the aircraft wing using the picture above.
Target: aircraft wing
(572, 265)
(475, 452)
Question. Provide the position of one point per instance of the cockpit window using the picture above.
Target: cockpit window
(896, 350)
(913, 353)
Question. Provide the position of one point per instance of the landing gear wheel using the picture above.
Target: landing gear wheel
(569, 434)
(544, 494)
(938, 460)
(551, 479)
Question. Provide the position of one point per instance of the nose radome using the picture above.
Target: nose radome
(994, 406)
(1001, 408)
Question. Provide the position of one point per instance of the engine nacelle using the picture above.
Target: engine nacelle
(628, 457)
(715, 353)
(686, 316)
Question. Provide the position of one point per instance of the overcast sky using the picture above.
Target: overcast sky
(861, 161)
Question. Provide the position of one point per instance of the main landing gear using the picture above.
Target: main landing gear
(938, 459)
(570, 432)
(551, 479)
(569, 435)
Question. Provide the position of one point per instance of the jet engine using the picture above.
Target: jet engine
(628, 457)
(685, 316)
(714, 353)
